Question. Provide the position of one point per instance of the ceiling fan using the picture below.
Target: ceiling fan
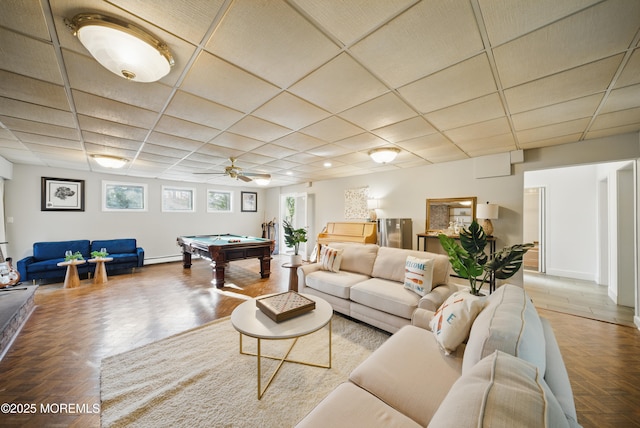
(236, 172)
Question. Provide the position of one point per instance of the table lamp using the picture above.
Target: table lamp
(487, 212)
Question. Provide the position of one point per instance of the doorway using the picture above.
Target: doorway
(584, 221)
(293, 207)
(534, 228)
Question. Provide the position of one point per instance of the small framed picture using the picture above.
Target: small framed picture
(249, 202)
(61, 194)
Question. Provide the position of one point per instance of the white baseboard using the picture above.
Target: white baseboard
(636, 321)
(162, 259)
(572, 274)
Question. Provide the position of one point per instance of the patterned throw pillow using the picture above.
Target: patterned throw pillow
(453, 320)
(418, 274)
(330, 258)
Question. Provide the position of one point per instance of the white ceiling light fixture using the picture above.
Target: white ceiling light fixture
(384, 154)
(122, 48)
(108, 161)
(262, 180)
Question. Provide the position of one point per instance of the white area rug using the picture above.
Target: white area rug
(199, 379)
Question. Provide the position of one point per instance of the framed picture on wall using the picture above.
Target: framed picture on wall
(61, 194)
(249, 202)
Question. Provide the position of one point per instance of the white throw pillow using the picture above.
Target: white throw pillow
(330, 258)
(418, 275)
(452, 321)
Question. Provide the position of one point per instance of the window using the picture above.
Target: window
(178, 199)
(124, 196)
(219, 201)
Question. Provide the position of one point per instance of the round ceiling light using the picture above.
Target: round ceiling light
(122, 48)
(384, 154)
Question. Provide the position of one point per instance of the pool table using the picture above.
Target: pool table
(224, 248)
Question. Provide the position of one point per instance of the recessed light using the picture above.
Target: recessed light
(327, 164)
(289, 173)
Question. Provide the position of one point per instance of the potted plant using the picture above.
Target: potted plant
(469, 260)
(293, 238)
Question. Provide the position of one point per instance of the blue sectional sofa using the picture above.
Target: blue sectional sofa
(43, 264)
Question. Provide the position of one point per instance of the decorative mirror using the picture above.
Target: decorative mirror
(442, 212)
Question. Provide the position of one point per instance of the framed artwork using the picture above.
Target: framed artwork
(249, 202)
(129, 197)
(61, 194)
(219, 201)
(178, 199)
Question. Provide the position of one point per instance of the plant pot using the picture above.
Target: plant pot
(296, 259)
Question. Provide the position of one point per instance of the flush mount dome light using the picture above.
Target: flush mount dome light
(122, 48)
(384, 154)
(108, 161)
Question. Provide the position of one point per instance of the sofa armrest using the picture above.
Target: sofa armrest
(140, 253)
(23, 264)
(306, 270)
(421, 318)
(437, 296)
(556, 374)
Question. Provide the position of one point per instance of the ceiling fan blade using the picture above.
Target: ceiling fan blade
(257, 175)
(244, 178)
(210, 173)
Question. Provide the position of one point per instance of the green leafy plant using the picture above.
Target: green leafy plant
(97, 254)
(73, 256)
(469, 260)
(293, 237)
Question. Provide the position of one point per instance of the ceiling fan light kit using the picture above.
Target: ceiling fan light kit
(384, 154)
(122, 48)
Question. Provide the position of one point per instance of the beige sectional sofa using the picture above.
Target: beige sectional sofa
(369, 285)
(509, 373)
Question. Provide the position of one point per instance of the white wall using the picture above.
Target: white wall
(571, 219)
(155, 231)
(403, 194)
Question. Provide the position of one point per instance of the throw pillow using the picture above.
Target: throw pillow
(330, 258)
(452, 321)
(500, 391)
(418, 274)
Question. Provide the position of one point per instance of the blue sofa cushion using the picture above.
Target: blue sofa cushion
(55, 250)
(116, 246)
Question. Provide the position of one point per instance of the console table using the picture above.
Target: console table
(491, 240)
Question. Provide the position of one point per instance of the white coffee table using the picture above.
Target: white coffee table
(249, 320)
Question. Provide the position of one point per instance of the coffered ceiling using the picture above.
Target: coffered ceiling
(286, 86)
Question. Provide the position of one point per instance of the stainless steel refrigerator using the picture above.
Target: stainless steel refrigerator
(395, 232)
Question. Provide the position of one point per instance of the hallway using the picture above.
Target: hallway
(576, 297)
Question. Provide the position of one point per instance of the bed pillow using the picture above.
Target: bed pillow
(452, 321)
(418, 275)
(330, 258)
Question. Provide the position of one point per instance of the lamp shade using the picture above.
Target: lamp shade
(487, 211)
(373, 204)
(384, 154)
(122, 48)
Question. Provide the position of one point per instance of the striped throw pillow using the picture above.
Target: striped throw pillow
(330, 258)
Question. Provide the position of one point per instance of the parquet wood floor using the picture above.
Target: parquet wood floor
(56, 358)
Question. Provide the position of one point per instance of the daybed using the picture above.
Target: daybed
(510, 372)
(368, 283)
(43, 264)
